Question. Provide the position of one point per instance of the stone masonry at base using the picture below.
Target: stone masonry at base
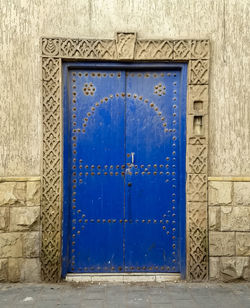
(229, 230)
(20, 231)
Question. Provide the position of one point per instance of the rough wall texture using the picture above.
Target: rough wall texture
(20, 231)
(229, 230)
(225, 23)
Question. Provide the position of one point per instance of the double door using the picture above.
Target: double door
(125, 161)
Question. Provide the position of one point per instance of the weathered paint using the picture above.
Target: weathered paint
(226, 23)
(124, 212)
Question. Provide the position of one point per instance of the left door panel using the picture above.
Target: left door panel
(96, 162)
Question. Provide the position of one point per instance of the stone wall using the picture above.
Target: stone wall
(19, 230)
(229, 230)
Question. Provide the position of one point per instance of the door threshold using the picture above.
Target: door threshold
(123, 278)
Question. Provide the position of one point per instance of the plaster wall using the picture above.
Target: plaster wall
(224, 22)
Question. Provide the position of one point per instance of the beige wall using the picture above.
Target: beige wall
(225, 22)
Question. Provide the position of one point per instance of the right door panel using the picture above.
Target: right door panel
(152, 201)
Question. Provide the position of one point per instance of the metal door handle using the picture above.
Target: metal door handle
(132, 158)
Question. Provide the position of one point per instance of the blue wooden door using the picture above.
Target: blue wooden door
(152, 126)
(126, 170)
(97, 166)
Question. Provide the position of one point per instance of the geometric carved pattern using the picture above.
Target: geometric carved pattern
(197, 187)
(197, 159)
(198, 243)
(51, 181)
(198, 72)
(88, 49)
(182, 49)
(127, 47)
(151, 49)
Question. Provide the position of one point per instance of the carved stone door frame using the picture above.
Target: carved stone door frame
(126, 47)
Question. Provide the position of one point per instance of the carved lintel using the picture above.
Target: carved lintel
(125, 45)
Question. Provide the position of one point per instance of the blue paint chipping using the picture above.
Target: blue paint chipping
(124, 168)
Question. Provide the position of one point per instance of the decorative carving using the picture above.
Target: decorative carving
(51, 182)
(88, 49)
(199, 49)
(198, 243)
(197, 187)
(198, 95)
(50, 46)
(198, 72)
(197, 140)
(154, 50)
(125, 45)
(182, 49)
(197, 159)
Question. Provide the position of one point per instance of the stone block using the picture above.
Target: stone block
(214, 268)
(236, 218)
(11, 245)
(214, 218)
(31, 270)
(221, 243)
(3, 270)
(33, 194)
(12, 193)
(242, 193)
(243, 243)
(220, 193)
(4, 218)
(233, 268)
(14, 269)
(31, 244)
(24, 218)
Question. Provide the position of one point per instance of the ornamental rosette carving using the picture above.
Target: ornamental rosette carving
(50, 47)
